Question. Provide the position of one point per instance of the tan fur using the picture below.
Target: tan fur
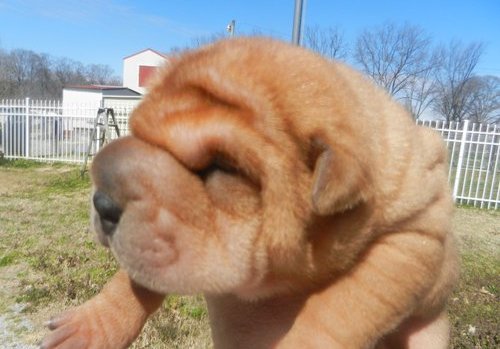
(305, 204)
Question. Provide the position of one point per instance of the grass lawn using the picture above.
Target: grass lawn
(50, 261)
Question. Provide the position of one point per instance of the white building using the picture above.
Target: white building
(139, 67)
(81, 103)
(100, 96)
(85, 100)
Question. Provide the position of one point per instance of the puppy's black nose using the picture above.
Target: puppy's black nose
(108, 211)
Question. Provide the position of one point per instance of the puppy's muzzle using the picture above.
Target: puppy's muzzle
(109, 212)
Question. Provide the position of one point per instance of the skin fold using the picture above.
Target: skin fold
(298, 197)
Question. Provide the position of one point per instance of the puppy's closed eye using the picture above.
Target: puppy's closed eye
(229, 186)
(219, 163)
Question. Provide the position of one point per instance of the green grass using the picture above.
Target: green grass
(46, 245)
(53, 262)
(474, 308)
(19, 163)
(193, 308)
(49, 232)
(8, 258)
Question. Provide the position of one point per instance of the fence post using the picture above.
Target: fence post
(458, 174)
(27, 127)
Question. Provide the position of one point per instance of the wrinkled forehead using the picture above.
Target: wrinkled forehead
(129, 165)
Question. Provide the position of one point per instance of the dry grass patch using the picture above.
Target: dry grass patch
(475, 307)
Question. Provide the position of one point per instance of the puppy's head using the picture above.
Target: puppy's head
(217, 186)
(174, 229)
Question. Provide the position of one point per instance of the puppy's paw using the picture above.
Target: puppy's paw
(81, 328)
(70, 329)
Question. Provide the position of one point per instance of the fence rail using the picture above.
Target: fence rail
(473, 162)
(51, 131)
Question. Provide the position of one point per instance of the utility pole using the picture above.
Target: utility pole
(297, 23)
(231, 28)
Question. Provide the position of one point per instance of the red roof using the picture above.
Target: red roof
(147, 49)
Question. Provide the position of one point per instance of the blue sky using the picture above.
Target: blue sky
(105, 31)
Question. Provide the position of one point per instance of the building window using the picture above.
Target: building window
(146, 72)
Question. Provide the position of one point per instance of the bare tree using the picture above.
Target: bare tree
(329, 42)
(18, 69)
(24, 73)
(28, 74)
(420, 92)
(5, 82)
(394, 56)
(23, 69)
(483, 102)
(99, 74)
(453, 92)
(419, 95)
(68, 72)
(44, 85)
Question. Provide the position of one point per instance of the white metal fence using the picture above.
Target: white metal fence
(474, 166)
(51, 131)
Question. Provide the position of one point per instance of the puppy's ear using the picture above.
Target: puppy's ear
(340, 182)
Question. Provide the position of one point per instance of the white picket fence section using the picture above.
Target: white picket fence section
(50, 131)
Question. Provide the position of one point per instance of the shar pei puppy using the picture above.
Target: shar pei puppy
(303, 202)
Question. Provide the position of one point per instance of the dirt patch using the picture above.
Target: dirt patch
(17, 329)
(13, 327)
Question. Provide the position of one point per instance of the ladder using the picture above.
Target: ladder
(100, 134)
